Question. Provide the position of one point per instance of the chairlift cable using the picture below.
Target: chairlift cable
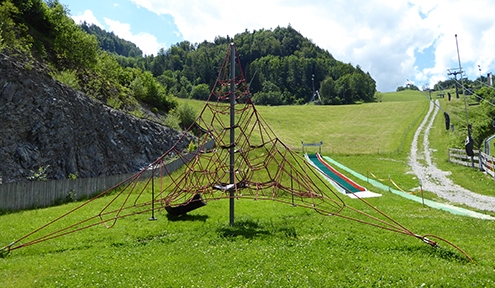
(462, 81)
(477, 96)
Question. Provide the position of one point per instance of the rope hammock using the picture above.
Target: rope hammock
(265, 169)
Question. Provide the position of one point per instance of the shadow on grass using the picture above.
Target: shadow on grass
(187, 217)
(71, 248)
(445, 252)
(246, 228)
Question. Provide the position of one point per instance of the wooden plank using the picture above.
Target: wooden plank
(489, 170)
(465, 157)
(460, 162)
(463, 151)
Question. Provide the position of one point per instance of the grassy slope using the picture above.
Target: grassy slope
(348, 129)
(273, 244)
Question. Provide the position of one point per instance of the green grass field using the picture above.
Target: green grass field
(348, 129)
(272, 244)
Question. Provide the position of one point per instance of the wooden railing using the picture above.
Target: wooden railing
(488, 164)
(480, 160)
(460, 157)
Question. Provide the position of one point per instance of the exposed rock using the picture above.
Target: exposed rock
(44, 123)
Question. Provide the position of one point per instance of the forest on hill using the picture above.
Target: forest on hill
(282, 67)
(110, 42)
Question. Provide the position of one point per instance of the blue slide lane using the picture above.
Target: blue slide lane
(335, 176)
(446, 207)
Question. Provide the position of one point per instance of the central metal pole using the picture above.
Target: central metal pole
(152, 194)
(232, 134)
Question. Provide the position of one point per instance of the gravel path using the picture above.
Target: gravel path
(435, 180)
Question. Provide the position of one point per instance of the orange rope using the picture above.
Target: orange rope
(389, 180)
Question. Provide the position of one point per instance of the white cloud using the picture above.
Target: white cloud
(381, 36)
(146, 42)
(89, 17)
(471, 21)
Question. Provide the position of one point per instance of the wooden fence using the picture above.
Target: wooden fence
(38, 194)
(488, 164)
(460, 157)
(481, 160)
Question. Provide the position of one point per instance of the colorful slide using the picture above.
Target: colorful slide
(342, 183)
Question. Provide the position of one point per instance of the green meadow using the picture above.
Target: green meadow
(277, 245)
(371, 128)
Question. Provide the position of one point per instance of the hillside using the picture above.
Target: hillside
(111, 43)
(282, 66)
(50, 130)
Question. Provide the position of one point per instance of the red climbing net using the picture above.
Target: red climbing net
(255, 165)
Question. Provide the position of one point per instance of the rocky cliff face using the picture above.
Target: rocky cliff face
(46, 124)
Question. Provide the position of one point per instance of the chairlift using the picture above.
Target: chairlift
(317, 101)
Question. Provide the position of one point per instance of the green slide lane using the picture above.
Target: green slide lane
(446, 207)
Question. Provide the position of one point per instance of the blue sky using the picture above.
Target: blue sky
(394, 40)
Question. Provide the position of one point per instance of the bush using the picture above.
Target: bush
(172, 121)
(200, 92)
(138, 113)
(115, 103)
(73, 176)
(268, 98)
(186, 115)
(378, 97)
(12, 34)
(39, 175)
(192, 146)
(67, 77)
(147, 89)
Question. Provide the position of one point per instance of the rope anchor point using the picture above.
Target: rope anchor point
(4, 251)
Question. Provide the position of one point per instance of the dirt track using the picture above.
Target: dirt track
(435, 180)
